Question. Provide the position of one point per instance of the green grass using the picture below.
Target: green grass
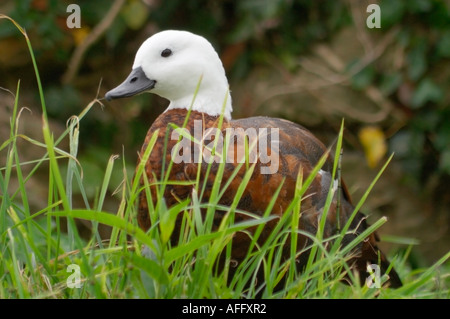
(36, 255)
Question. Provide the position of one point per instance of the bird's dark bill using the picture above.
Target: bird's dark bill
(135, 83)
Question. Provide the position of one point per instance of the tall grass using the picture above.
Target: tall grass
(39, 260)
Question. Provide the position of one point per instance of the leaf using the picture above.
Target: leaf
(400, 240)
(443, 46)
(417, 61)
(79, 34)
(418, 6)
(427, 91)
(168, 218)
(110, 220)
(374, 143)
(152, 268)
(135, 14)
(363, 78)
(442, 135)
(390, 82)
(444, 161)
(391, 12)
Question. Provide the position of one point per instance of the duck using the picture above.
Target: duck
(185, 69)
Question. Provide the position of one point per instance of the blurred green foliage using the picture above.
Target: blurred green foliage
(280, 29)
(424, 143)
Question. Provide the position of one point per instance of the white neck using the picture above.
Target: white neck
(212, 104)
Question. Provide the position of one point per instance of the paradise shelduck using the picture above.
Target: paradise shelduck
(185, 69)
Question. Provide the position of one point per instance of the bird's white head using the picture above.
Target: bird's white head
(181, 67)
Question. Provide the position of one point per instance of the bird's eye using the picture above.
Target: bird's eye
(166, 52)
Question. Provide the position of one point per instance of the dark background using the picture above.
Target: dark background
(312, 62)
